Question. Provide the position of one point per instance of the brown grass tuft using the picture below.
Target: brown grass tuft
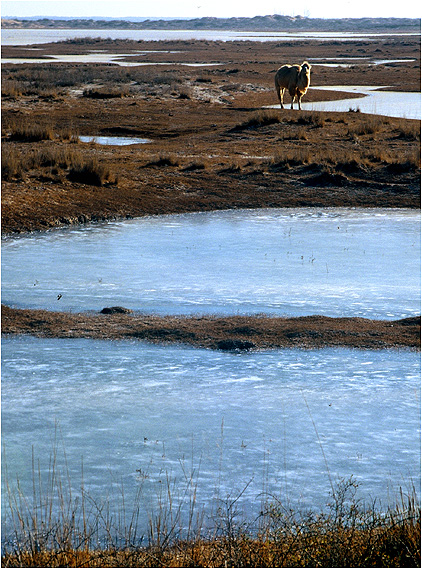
(90, 172)
(260, 119)
(312, 118)
(164, 160)
(24, 132)
(11, 164)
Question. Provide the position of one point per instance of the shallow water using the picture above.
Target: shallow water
(336, 262)
(285, 422)
(114, 140)
(360, 61)
(34, 36)
(100, 58)
(387, 103)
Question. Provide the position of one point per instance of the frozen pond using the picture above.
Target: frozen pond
(285, 422)
(336, 262)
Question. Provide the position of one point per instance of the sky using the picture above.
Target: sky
(216, 8)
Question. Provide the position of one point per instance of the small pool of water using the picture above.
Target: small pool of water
(102, 57)
(278, 423)
(387, 103)
(114, 140)
(294, 262)
(352, 61)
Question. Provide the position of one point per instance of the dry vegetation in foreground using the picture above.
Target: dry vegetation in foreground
(61, 526)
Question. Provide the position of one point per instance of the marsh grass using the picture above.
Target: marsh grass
(90, 171)
(164, 160)
(58, 160)
(63, 524)
(30, 132)
(259, 119)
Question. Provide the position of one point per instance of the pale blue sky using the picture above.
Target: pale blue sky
(217, 8)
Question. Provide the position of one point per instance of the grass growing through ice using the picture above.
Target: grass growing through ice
(61, 525)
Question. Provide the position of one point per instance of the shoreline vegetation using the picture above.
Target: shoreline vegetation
(63, 526)
(231, 333)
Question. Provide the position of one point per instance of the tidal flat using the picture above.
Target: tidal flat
(213, 145)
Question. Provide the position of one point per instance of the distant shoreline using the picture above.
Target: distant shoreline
(271, 23)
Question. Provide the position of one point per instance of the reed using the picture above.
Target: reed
(64, 524)
(72, 163)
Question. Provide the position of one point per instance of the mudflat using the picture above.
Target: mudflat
(213, 145)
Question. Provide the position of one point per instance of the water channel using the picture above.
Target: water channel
(284, 422)
(114, 140)
(373, 101)
(39, 36)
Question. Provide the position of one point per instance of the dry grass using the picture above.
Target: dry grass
(30, 132)
(410, 131)
(315, 119)
(165, 160)
(90, 171)
(260, 119)
(58, 527)
(12, 166)
(57, 160)
(369, 124)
